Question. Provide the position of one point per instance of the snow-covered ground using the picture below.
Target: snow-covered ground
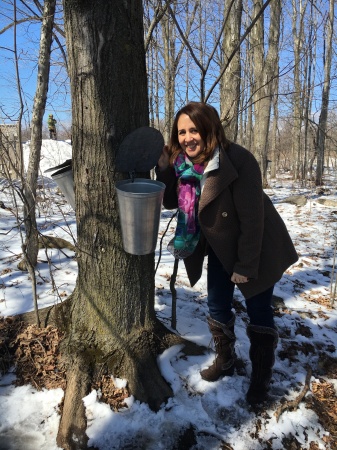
(216, 411)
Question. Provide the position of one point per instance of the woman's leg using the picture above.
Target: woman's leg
(263, 338)
(220, 290)
(259, 309)
(220, 321)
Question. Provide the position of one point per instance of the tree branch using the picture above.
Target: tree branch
(293, 404)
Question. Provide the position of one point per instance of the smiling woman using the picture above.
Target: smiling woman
(223, 212)
(189, 138)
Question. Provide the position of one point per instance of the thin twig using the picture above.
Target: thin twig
(332, 281)
(293, 404)
(174, 294)
(161, 240)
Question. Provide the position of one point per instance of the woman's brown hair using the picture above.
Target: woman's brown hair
(207, 121)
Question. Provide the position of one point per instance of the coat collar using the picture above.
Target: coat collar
(217, 180)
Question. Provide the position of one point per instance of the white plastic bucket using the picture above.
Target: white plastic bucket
(140, 202)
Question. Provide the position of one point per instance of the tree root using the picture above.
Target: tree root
(293, 405)
(71, 434)
(133, 357)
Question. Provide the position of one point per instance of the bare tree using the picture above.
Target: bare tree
(265, 71)
(308, 89)
(170, 67)
(298, 27)
(274, 132)
(31, 246)
(153, 14)
(231, 81)
(111, 325)
(173, 55)
(245, 124)
(322, 125)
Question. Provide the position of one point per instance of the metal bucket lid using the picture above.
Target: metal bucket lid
(140, 150)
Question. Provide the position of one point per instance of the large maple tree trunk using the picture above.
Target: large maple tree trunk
(111, 323)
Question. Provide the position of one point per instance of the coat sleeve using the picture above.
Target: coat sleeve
(168, 177)
(248, 198)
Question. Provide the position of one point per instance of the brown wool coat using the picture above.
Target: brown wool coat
(239, 222)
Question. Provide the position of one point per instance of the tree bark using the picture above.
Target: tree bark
(309, 73)
(265, 70)
(322, 125)
(274, 134)
(231, 81)
(298, 39)
(169, 52)
(172, 58)
(112, 322)
(30, 184)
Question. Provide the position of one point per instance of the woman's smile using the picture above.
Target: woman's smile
(189, 138)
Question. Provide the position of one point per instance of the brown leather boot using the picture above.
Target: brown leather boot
(224, 340)
(263, 342)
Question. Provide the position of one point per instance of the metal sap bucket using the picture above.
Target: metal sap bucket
(139, 202)
(65, 181)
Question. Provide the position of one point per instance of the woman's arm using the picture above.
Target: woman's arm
(166, 174)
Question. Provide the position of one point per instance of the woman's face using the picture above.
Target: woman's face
(189, 138)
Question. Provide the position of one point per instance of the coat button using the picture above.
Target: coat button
(224, 214)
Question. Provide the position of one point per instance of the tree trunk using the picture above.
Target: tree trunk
(231, 80)
(112, 323)
(265, 70)
(322, 125)
(246, 117)
(169, 73)
(30, 184)
(309, 73)
(172, 57)
(298, 39)
(274, 134)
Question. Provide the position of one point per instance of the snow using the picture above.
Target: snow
(217, 411)
(53, 153)
(29, 418)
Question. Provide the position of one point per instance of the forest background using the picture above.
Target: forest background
(268, 67)
(272, 80)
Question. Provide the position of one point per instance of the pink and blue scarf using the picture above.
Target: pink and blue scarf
(188, 230)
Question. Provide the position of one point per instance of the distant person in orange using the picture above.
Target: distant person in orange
(51, 127)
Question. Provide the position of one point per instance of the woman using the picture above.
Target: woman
(224, 213)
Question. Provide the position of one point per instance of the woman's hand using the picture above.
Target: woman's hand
(164, 159)
(236, 278)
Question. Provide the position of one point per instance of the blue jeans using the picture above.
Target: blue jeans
(220, 297)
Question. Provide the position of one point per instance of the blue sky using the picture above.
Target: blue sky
(28, 35)
(58, 101)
